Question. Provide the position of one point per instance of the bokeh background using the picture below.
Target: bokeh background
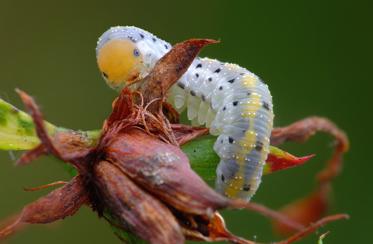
(316, 57)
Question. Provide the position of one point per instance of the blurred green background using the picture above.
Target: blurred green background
(316, 57)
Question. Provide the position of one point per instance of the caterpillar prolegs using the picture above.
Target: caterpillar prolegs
(232, 102)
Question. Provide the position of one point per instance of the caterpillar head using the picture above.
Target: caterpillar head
(119, 60)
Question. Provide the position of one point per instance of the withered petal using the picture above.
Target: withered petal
(58, 204)
(163, 170)
(138, 211)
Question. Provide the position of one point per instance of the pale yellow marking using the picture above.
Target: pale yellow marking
(117, 60)
(249, 80)
(236, 184)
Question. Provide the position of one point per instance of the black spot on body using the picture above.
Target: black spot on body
(230, 140)
(217, 70)
(142, 36)
(221, 141)
(197, 75)
(246, 187)
(193, 93)
(231, 81)
(224, 108)
(222, 178)
(248, 93)
(235, 103)
(266, 105)
(220, 88)
(203, 97)
(209, 79)
(165, 45)
(259, 146)
(199, 66)
(154, 39)
(181, 85)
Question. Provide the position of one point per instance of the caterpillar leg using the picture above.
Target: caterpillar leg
(315, 205)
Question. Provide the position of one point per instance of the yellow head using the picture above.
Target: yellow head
(120, 62)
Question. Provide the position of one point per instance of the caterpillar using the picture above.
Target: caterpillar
(235, 104)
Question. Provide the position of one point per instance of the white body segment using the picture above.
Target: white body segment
(228, 99)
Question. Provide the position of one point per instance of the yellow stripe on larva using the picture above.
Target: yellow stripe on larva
(248, 141)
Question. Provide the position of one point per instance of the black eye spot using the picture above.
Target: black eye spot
(136, 52)
(104, 75)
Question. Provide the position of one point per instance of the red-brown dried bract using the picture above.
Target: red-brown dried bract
(137, 171)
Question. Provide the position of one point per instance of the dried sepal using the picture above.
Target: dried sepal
(57, 205)
(137, 211)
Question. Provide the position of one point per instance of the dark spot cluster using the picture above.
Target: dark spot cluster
(132, 39)
(266, 105)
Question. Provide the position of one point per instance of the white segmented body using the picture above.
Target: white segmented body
(230, 100)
